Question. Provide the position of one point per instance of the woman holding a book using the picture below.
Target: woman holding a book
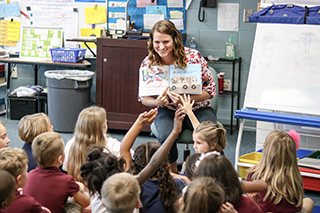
(166, 48)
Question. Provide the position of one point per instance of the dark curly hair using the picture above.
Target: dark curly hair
(167, 189)
(99, 165)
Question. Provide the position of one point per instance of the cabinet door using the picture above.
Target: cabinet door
(118, 63)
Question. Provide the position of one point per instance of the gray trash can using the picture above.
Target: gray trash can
(68, 93)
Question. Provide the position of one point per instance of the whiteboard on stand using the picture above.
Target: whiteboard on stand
(285, 69)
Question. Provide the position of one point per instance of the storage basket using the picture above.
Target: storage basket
(67, 54)
(251, 158)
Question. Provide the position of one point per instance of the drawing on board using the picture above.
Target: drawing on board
(284, 73)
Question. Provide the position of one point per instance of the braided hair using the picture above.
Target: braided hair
(99, 166)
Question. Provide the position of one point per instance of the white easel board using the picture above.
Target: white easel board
(285, 69)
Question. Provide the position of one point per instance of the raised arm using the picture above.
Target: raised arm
(128, 140)
(187, 107)
(162, 153)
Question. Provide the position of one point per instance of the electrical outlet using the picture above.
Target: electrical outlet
(14, 73)
(227, 85)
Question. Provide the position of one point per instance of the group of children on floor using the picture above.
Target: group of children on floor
(106, 175)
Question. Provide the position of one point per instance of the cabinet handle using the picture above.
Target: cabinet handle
(105, 60)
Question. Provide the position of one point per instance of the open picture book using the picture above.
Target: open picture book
(153, 81)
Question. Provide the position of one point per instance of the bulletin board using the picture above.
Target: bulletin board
(77, 15)
(137, 13)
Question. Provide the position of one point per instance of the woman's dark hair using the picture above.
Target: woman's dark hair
(220, 168)
(99, 165)
(167, 188)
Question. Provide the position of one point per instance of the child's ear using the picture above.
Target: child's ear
(18, 180)
(212, 146)
(138, 204)
(60, 159)
(4, 204)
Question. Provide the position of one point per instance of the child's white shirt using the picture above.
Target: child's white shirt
(113, 145)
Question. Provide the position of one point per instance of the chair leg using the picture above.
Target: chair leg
(186, 152)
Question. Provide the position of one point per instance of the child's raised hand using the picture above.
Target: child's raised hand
(163, 99)
(186, 103)
(178, 118)
(148, 117)
(227, 208)
(175, 97)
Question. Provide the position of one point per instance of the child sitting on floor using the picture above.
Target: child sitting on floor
(207, 136)
(128, 187)
(7, 189)
(30, 126)
(14, 161)
(47, 184)
(278, 167)
(204, 195)
(4, 140)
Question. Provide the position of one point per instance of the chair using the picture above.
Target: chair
(185, 136)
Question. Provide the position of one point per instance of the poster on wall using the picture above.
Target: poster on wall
(37, 42)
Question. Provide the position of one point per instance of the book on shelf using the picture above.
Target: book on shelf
(152, 81)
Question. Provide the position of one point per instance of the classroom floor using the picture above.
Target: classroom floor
(247, 146)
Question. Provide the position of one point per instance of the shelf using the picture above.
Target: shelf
(229, 93)
(3, 84)
(235, 91)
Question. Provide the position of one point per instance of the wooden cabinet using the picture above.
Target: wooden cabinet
(117, 80)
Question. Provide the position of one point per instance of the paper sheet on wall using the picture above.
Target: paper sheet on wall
(228, 17)
(175, 3)
(150, 19)
(144, 3)
(52, 4)
(86, 32)
(178, 23)
(4, 24)
(95, 15)
(176, 14)
(14, 31)
(9, 9)
(65, 19)
(159, 9)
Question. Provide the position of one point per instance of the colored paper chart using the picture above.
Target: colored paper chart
(37, 42)
(4, 26)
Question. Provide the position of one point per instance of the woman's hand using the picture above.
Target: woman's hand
(186, 103)
(175, 97)
(147, 117)
(178, 118)
(163, 99)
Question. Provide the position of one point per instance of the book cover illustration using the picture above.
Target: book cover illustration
(153, 81)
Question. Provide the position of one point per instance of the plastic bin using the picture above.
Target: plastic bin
(315, 155)
(67, 98)
(67, 54)
(301, 153)
(21, 106)
(251, 158)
